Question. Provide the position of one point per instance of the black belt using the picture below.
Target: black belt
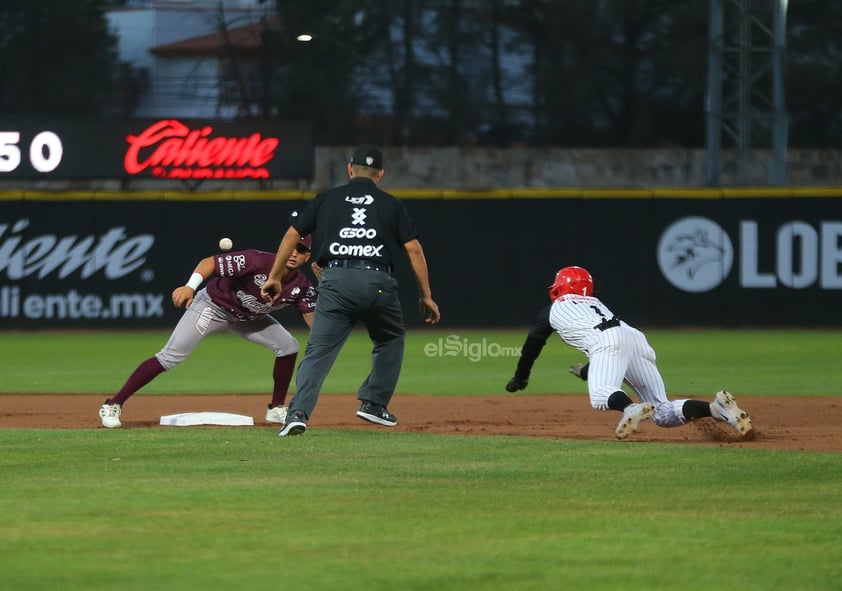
(608, 323)
(359, 264)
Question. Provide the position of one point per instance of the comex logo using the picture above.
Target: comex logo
(695, 254)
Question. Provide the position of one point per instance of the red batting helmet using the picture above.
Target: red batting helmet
(571, 280)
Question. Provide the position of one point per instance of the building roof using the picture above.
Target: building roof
(245, 39)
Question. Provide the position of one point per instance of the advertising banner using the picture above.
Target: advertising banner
(671, 262)
(111, 264)
(155, 149)
(660, 262)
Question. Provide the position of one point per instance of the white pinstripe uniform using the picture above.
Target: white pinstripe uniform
(616, 353)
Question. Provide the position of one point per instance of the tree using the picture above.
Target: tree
(328, 80)
(57, 58)
(615, 72)
(467, 78)
(627, 73)
(814, 73)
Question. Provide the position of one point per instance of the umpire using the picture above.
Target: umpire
(358, 231)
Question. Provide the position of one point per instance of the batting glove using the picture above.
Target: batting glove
(579, 370)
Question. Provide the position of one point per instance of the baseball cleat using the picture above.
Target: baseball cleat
(632, 415)
(375, 413)
(109, 414)
(276, 414)
(296, 424)
(724, 408)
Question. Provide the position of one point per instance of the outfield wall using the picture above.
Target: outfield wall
(660, 257)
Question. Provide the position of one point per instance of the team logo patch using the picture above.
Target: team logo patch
(204, 320)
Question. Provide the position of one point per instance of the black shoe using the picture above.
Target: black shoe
(295, 424)
(374, 413)
(516, 384)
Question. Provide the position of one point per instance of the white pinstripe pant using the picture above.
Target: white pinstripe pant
(623, 354)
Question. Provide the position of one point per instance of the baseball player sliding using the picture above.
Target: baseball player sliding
(619, 353)
(231, 301)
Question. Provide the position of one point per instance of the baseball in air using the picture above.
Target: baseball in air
(225, 244)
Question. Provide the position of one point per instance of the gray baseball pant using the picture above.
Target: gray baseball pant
(203, 318)
(347, 296)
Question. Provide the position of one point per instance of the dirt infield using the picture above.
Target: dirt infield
(803, 423)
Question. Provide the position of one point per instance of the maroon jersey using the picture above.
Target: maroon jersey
(241, 274)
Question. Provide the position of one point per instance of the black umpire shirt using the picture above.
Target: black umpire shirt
(356, 221)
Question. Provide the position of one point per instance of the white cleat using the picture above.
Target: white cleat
(632, 415)
(277, 414)
(724, 408)
(109, 414)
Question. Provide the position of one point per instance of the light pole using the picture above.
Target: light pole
(307, 38)
(334, 68)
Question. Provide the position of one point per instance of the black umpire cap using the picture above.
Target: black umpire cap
(368, 155)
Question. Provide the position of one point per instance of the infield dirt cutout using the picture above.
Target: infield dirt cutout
(794, 423)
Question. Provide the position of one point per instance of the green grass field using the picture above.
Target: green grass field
(437, 361)
(185, 509)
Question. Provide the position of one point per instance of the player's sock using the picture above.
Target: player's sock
(619, 400)
(282, 374)
(145, 373)
(696, 409)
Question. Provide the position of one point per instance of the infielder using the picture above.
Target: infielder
(618, 353)
(231, 301)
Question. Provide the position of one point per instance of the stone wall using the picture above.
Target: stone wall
(488, 168)
(479, 168)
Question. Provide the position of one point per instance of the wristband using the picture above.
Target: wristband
(195, 281)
